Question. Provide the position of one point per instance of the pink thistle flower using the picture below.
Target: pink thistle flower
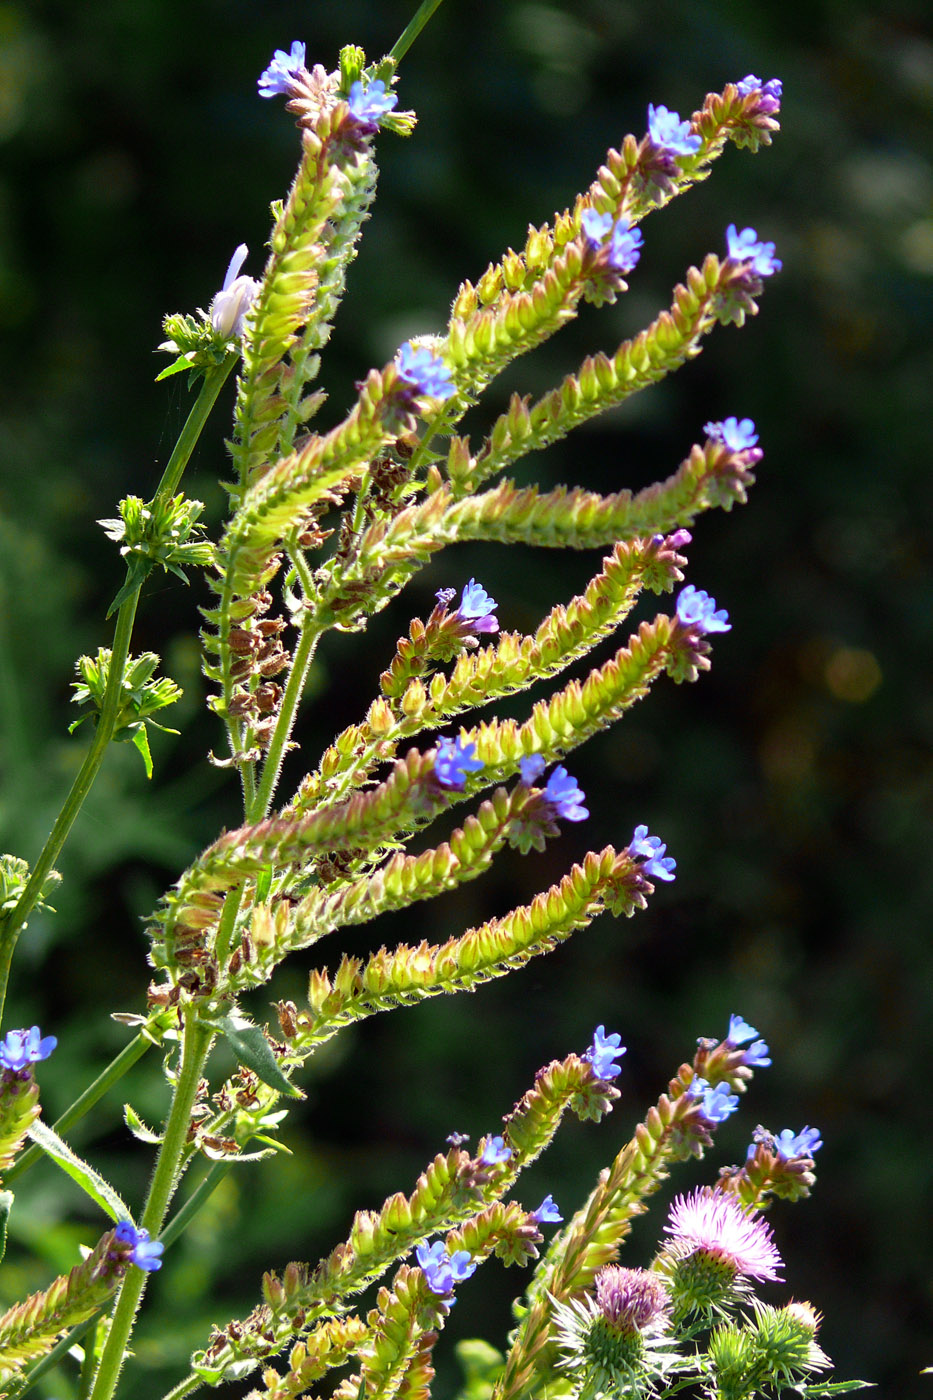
(713, 1223)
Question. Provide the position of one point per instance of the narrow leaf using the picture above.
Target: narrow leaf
(253, 1050)
(138, 1128)
(87, 1178)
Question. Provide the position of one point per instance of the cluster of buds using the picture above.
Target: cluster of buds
(258, 656)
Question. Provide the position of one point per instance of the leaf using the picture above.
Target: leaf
(141, 742)
(136, 572)
(175, 367)
(138, 1128)
(6, 1205)
(253, 1050)
(87, 1178)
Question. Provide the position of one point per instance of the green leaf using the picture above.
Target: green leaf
(263, 884)
(135, 574)
(141, 742)
(138, 1128)
(176, 367)
(253, 1050)
(6, 1205)
(87, 1178)
(834, 1387)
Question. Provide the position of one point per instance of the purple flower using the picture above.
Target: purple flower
(425, 372)
(746, 247)
(603, 1052)
(737, 435)
(564, 796)
(454, 761)
(739, 1031)
(657, 865)
(802, 1144)
(718, 1103)
(547, 1212)
(367, 105)
(21, 1048)
(667, 131)
(476, 607)
(631, 1299)
(695, 608)
(276, 80)
(531, 767)
(624, 247)
(230, 305)
(494, 1152)
(771, 92)
(146, 1254)
(713, 1223)
(442, 1270)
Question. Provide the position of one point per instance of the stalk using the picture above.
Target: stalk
(106, 723)
(195, 1045)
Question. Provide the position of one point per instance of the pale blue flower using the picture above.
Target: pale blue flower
(146, 1254)
(695, 608)
(563, 794)
(657, 866)
(454, 761)
(736, 434)
(424, 371)
(547, 1212)
(442, 1270)
(369, 104)
(746, 247)
(603, 1052)
(739, 1031)
(495, 1151)
(477, 608)
(25, 1047)
(718, 1103)
(624, 241)
(802, 1144)
(531, 767)
(276, 80)
(667, 130)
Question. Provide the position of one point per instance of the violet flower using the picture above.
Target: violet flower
(454, 760)
(736, 434)
(276, 80)
(695, 608)
(746, 247)
(25, 1047)
(670, 134)
(604, 1050)
(424, 371)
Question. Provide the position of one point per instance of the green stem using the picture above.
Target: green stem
(195, 1201)
(294, 689)
(183, 1388)
(413, 29)
(114, 1072)
(110, 706)
(195, 1045)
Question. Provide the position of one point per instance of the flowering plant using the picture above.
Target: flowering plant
(325, 529)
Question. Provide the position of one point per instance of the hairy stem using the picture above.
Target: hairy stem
(110, 707)
(195, 1045)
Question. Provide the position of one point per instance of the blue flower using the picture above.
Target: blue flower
(476, 607)
(425, 372)
(718, 1103)
(367, 105)
(736, 434)
(454, 761)
(564, 796)
(746, 247)
(603, 1052)
(233, 301)
(442, 1270)
(695, 608)
(802, 1144)
(21, 1048)
(276, 80)
(770, 92)
(494, 1152)
(547, 1212)
(145, 1253)
(740, 1033)
(657, 865)
(531, 767)
(668, 131)
(625, 242)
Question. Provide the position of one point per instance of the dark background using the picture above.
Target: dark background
(792, 783)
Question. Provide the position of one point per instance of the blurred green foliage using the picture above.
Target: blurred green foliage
(792, 784)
